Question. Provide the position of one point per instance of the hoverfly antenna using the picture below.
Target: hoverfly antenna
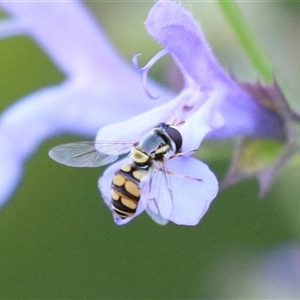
(176, 123)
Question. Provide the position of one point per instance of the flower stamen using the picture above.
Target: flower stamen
(146, 69)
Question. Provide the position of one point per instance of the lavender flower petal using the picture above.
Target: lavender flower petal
(67, 32)
(79, 47)
(10, 28)
(93, 95)
(198, 121)
(137, 127)
(191, 198)
(172, 26)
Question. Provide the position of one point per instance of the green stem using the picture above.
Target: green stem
(255, 53)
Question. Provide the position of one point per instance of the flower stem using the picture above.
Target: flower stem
(256, 55)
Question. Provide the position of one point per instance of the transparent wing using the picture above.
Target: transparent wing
(159, 195)
(89, 154)
(156, 218)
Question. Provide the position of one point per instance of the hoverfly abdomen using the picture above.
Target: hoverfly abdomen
(125, 190)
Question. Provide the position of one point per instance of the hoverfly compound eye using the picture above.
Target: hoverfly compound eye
(175, 135)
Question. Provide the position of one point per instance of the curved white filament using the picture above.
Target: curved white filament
(146, 69)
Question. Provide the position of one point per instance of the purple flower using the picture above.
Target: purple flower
(94, 94)
(210, 102)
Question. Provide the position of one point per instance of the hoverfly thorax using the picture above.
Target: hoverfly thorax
(160, 144)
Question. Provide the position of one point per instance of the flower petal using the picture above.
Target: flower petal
(194, 129)
(67, 31)
(172, 26)
(66, 108)
(10, 28)
(137, 127)
(41, 115)
(22, 128)
(79, 47)
(191, 197)
(197, 126)
(93, 95)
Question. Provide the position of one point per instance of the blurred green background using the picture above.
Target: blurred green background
(58, 239)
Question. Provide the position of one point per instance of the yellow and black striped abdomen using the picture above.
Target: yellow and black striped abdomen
(125, 190)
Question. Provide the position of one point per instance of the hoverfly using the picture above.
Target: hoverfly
(148, 165)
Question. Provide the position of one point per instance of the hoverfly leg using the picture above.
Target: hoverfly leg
(159, 197)
(179, 154)
(156, 218)
(182, 176)
(176, 123)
